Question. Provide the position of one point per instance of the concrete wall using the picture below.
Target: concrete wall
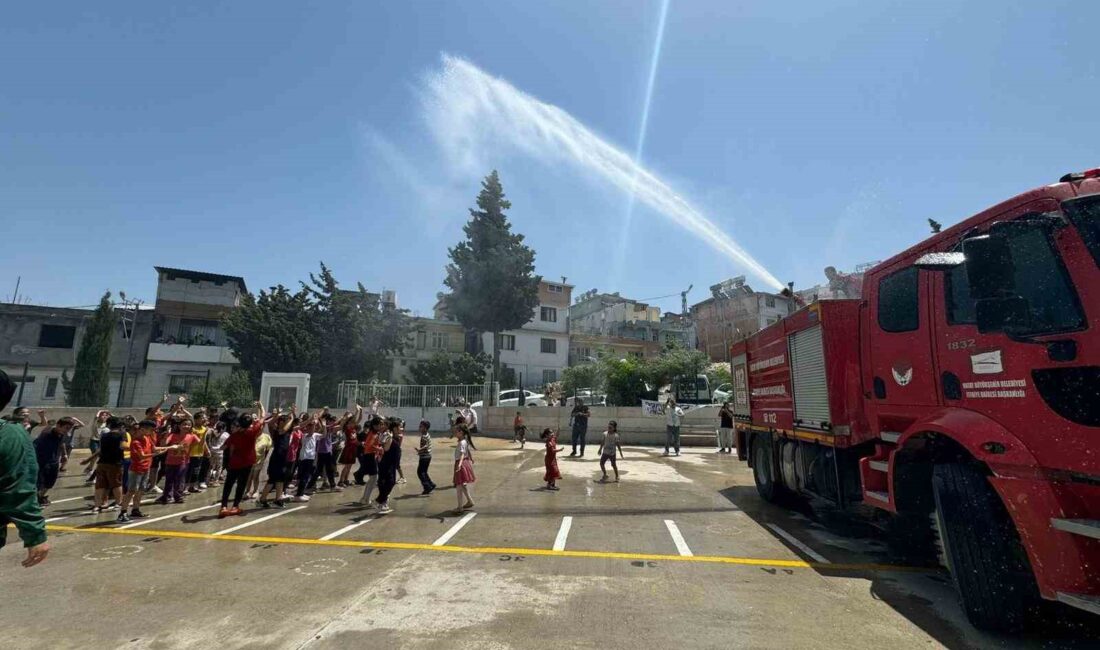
(635, 428)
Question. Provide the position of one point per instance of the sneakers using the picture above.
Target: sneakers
(237, 511)
(123, 518)
(137, 514)
(572, 454)
(384, 509)
(193, 490)
(265, 504)
(224, 512)
(202, 486)
(301, 499)
(337, 489)
(365, 504)
(278, 503)
(677, 452)
(156, 490)
(469, 505)
(401, 480)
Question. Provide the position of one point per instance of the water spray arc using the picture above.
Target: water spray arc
(468, 109)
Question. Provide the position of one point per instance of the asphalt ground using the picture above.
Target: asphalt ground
(680, 553)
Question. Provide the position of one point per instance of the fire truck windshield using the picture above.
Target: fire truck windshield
(1040, 278)
(1085, 214)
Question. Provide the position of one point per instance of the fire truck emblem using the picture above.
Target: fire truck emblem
(903, 372)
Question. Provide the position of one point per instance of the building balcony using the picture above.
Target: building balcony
(180, 353)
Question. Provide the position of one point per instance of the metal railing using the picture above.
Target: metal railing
(403, 395)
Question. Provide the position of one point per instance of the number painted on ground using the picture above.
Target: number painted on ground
(114, 552)
(512, 558)
(646, 564)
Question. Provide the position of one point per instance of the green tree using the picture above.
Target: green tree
(491, 274)
(274, 332)
(626, 383)
(89, 385)
(357, 334)
(676, 362)
(443, 369)
(235, 389)
(587, 376)
(718, 374)
(332, 333)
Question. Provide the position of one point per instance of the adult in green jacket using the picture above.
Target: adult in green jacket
(19, 484)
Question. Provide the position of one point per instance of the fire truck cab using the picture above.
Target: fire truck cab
(960, 395)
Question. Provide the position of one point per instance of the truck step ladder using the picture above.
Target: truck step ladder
(879, 465)
(890, 436)
(884, 497)
(1083, 527)
(1081, 601)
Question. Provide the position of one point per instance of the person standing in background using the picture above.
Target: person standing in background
(18, 479)
(725, 429)
(579, 415)
(673, 415)
(424, 452)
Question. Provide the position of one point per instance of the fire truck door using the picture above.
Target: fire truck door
(900, 340)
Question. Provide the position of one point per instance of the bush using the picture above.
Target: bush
(235, 389)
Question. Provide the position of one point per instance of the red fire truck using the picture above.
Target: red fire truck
(960, 397)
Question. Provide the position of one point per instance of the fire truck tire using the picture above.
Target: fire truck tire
(763, 469)
(987, 562)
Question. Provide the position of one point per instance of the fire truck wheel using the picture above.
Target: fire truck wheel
(983, 551)
(763, 469)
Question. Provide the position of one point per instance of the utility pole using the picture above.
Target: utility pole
(15, 296)
(131, 304)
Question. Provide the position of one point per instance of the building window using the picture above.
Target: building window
(549, 315)
(769, 301)
(898, 308)
(636, 354)
(549, 376)
(51, 388)
(57, 336)
(184, 384)
(440, 341)
(549, 346)
(421, 340)
(555, 288)
(198, 332)
(653, 334)
(507, 341)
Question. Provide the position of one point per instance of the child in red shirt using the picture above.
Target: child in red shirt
(242, 456)
(175, 463)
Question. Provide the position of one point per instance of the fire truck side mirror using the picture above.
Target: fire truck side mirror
(991, 274)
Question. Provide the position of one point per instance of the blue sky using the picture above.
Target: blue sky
(259, 138)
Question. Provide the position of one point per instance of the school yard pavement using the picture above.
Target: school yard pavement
(682, 553)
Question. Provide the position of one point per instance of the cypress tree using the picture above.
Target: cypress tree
(90, 383)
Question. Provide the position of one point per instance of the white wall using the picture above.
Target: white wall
(528, 357)
(203, 292)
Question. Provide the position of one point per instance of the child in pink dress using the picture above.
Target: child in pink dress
(552, 473)
(464, 469)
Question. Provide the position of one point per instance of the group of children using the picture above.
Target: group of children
(191, 452)
(608, 446)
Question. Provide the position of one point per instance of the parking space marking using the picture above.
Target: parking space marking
(53, 501)
(143, 522)
(53, 519)
(489, 550)
(258, 521)
(454, 529)
(346, 529)
(814, 555)
(678, 539)
(563, 533)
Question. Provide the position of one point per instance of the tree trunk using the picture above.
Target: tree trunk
(496, 365)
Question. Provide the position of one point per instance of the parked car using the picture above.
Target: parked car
(722, 393)
(511, 398)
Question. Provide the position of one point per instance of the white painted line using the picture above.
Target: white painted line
(677, 538)
(563, 533)
(143, 522)
(53, 519)
(814, 555)
(346, 529)
(454, 529)
(53, 501)
(258, 521)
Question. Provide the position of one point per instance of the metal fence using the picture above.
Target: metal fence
(401, 395)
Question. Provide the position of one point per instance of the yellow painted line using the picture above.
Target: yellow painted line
(490, 550)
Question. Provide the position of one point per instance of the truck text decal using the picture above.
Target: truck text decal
(767, 363)
(994, 389)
